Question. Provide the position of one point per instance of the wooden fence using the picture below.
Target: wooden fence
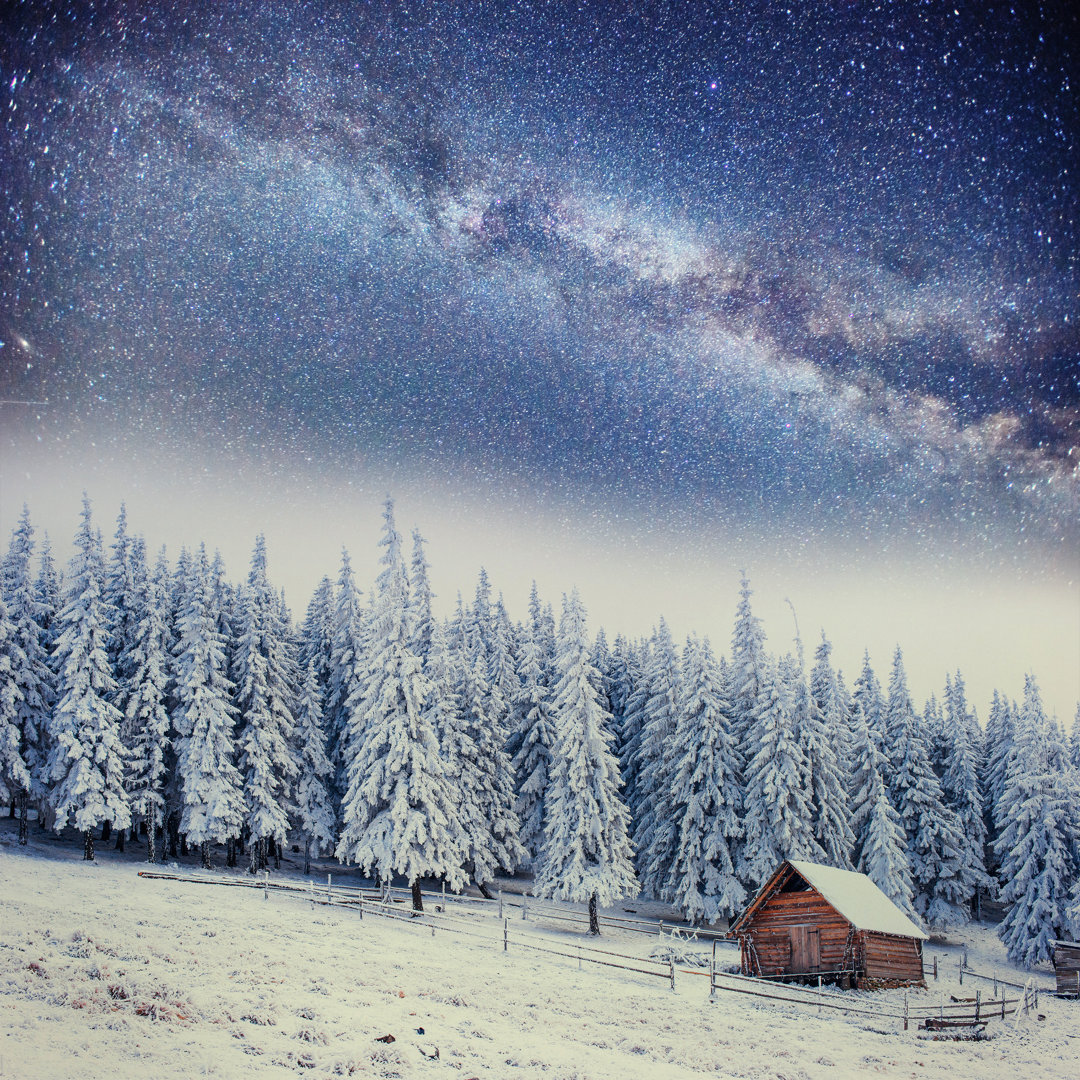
(957, 1014)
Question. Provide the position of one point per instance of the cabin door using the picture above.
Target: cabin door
(805, 950)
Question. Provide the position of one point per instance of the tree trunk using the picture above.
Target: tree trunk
(417, 899)
(151, 845)
(594, 917)
(106, 831)
(88, 846)
(121, 836)
(24, 821)
(307, 854)
(14, 800)
(230, 852)
(485, 892)
(253, 857)
(204, 851)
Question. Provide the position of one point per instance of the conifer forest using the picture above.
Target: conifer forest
(160, 701)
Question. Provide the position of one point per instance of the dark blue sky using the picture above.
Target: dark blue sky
(809, 278)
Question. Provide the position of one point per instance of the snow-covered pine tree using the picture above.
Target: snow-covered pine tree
(655, 844)
(933, 734)
(931, 828)
(264, 673)
(348, 662)
(1074, 740)
(706, 800)
(87, 762)
(883, 848)
(502, 664)
(14, 775)
(317, 636)
(620, 678)
(314, 812)
(211, 796)
(398, 813)
(998, 747)
(1038, 845)
(960, 787)
(422, 596)
(748, 663)
(122, 593)
(829, 806)
(531, 714)
(628, 735)
(777, 819)
(831, 698)
(474, 747)
(147, 718)
(587, 853)
(30, 671)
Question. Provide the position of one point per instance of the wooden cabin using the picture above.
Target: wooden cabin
(1066, 957)
(812, 922)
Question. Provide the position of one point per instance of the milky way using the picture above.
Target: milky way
(763, 267)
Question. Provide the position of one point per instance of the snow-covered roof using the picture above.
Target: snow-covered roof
(858, 899)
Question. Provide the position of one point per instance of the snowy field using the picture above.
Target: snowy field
(104, 974)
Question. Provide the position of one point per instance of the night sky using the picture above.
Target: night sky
(627, 296)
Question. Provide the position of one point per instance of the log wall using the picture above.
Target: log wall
(771, 933)
(893, 960)
(1067, 969)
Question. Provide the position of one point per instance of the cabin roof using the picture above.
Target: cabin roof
(853, 895)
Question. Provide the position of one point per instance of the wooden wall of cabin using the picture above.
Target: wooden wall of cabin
(1067, 969)
(891, 959)
(797, 933)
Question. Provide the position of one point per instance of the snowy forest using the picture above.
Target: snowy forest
(164, 703)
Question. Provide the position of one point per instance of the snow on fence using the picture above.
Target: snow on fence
(958, 1013)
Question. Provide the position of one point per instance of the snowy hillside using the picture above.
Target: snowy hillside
(104, 974)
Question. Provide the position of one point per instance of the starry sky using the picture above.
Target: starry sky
(622, 296)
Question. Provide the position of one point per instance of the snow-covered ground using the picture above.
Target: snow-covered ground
(105, 974)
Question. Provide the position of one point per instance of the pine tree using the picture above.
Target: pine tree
(932, 830)
(147, 717)
(33, 693)
(817, 737)
(317, 636)
(531, 714)
(398, 812)
(264, 676)
(882, 852)
(706, 802)
(748, 663)
(87, 762)
(777, 818)
(14, 775)
(1037, 847)
(587, 853)
(998, 744)
(315, 814)
(961, 790)
(211, 795)
(476, 754)
(347, 667)
(655, 765)
(629, 734)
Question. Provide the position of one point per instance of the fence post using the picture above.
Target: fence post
(360, 904)
(328, 900)
(506, 937)
(671, 975)
(524, 906)
(905, 1011)
(995, 984)
(935, 967)
(978, 1002)
(661, 931)
(444, 894)
(500, 904)
(579, 958)
(311, 891)
(961, 971)
(712, 972)
(266, 884)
